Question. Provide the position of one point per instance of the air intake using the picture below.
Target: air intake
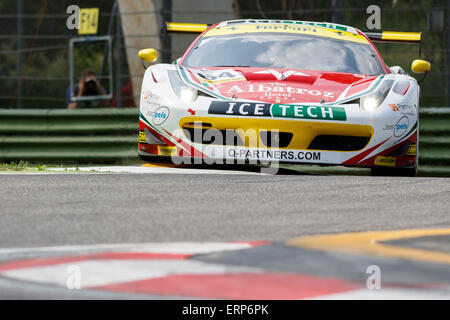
(338, 143)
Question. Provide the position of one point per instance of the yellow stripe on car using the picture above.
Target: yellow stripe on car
(286, 28)
(303, 131)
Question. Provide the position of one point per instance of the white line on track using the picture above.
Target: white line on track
(101, 272)
(389, 294)
(171, 247)
(107, 272)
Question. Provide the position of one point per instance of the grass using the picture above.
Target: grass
(27, 167)
(14, 166)
(22, 166)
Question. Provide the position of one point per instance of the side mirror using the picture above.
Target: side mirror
(420, 66)
(149, 55)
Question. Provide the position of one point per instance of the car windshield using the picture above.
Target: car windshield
(284, 50)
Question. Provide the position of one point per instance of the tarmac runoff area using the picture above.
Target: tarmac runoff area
(285, 236)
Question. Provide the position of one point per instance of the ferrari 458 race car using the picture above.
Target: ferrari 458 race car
(282, 91)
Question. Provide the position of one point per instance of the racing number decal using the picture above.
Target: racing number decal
(212, 77)
(219, 76)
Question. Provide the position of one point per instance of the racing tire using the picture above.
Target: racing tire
(155, 158)
(394, 172)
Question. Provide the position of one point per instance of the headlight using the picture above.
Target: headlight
(185, 93)
(374, 100)
(188, 94)
(369, 103)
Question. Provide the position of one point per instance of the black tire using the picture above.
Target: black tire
(165, 160)
(155, 158)
(394, 172)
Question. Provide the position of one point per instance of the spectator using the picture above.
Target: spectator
(87, 86)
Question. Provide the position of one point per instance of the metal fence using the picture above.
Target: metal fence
(34, 40)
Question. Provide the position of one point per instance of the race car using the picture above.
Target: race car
(277, 91)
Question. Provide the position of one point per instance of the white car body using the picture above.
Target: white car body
(221, 99)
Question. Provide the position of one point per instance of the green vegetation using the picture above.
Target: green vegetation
(46, 52)
(25, 166)
(20, 166)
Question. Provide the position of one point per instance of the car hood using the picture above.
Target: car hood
(280, 85)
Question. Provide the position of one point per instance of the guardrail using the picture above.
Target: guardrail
(81, 135)
(110, 135)
(434, 142)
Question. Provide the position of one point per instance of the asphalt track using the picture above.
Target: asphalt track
(65, 209)
(73, 209)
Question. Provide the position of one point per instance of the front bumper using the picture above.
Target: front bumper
(356, 139)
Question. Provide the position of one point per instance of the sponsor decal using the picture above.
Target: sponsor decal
(261, 154)
(167, 150)
(306, 23)
(142, 138)
(240, 108)
(290, 27)
(394, 107)
(278, 110)
(309, 112)
(152, 97)
(402, 107)
(385, 161)
(399, 128)
(412, 150)
(275, 89)
(160, 115)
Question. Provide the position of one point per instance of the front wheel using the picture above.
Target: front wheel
(155, 158)
(394, 172)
